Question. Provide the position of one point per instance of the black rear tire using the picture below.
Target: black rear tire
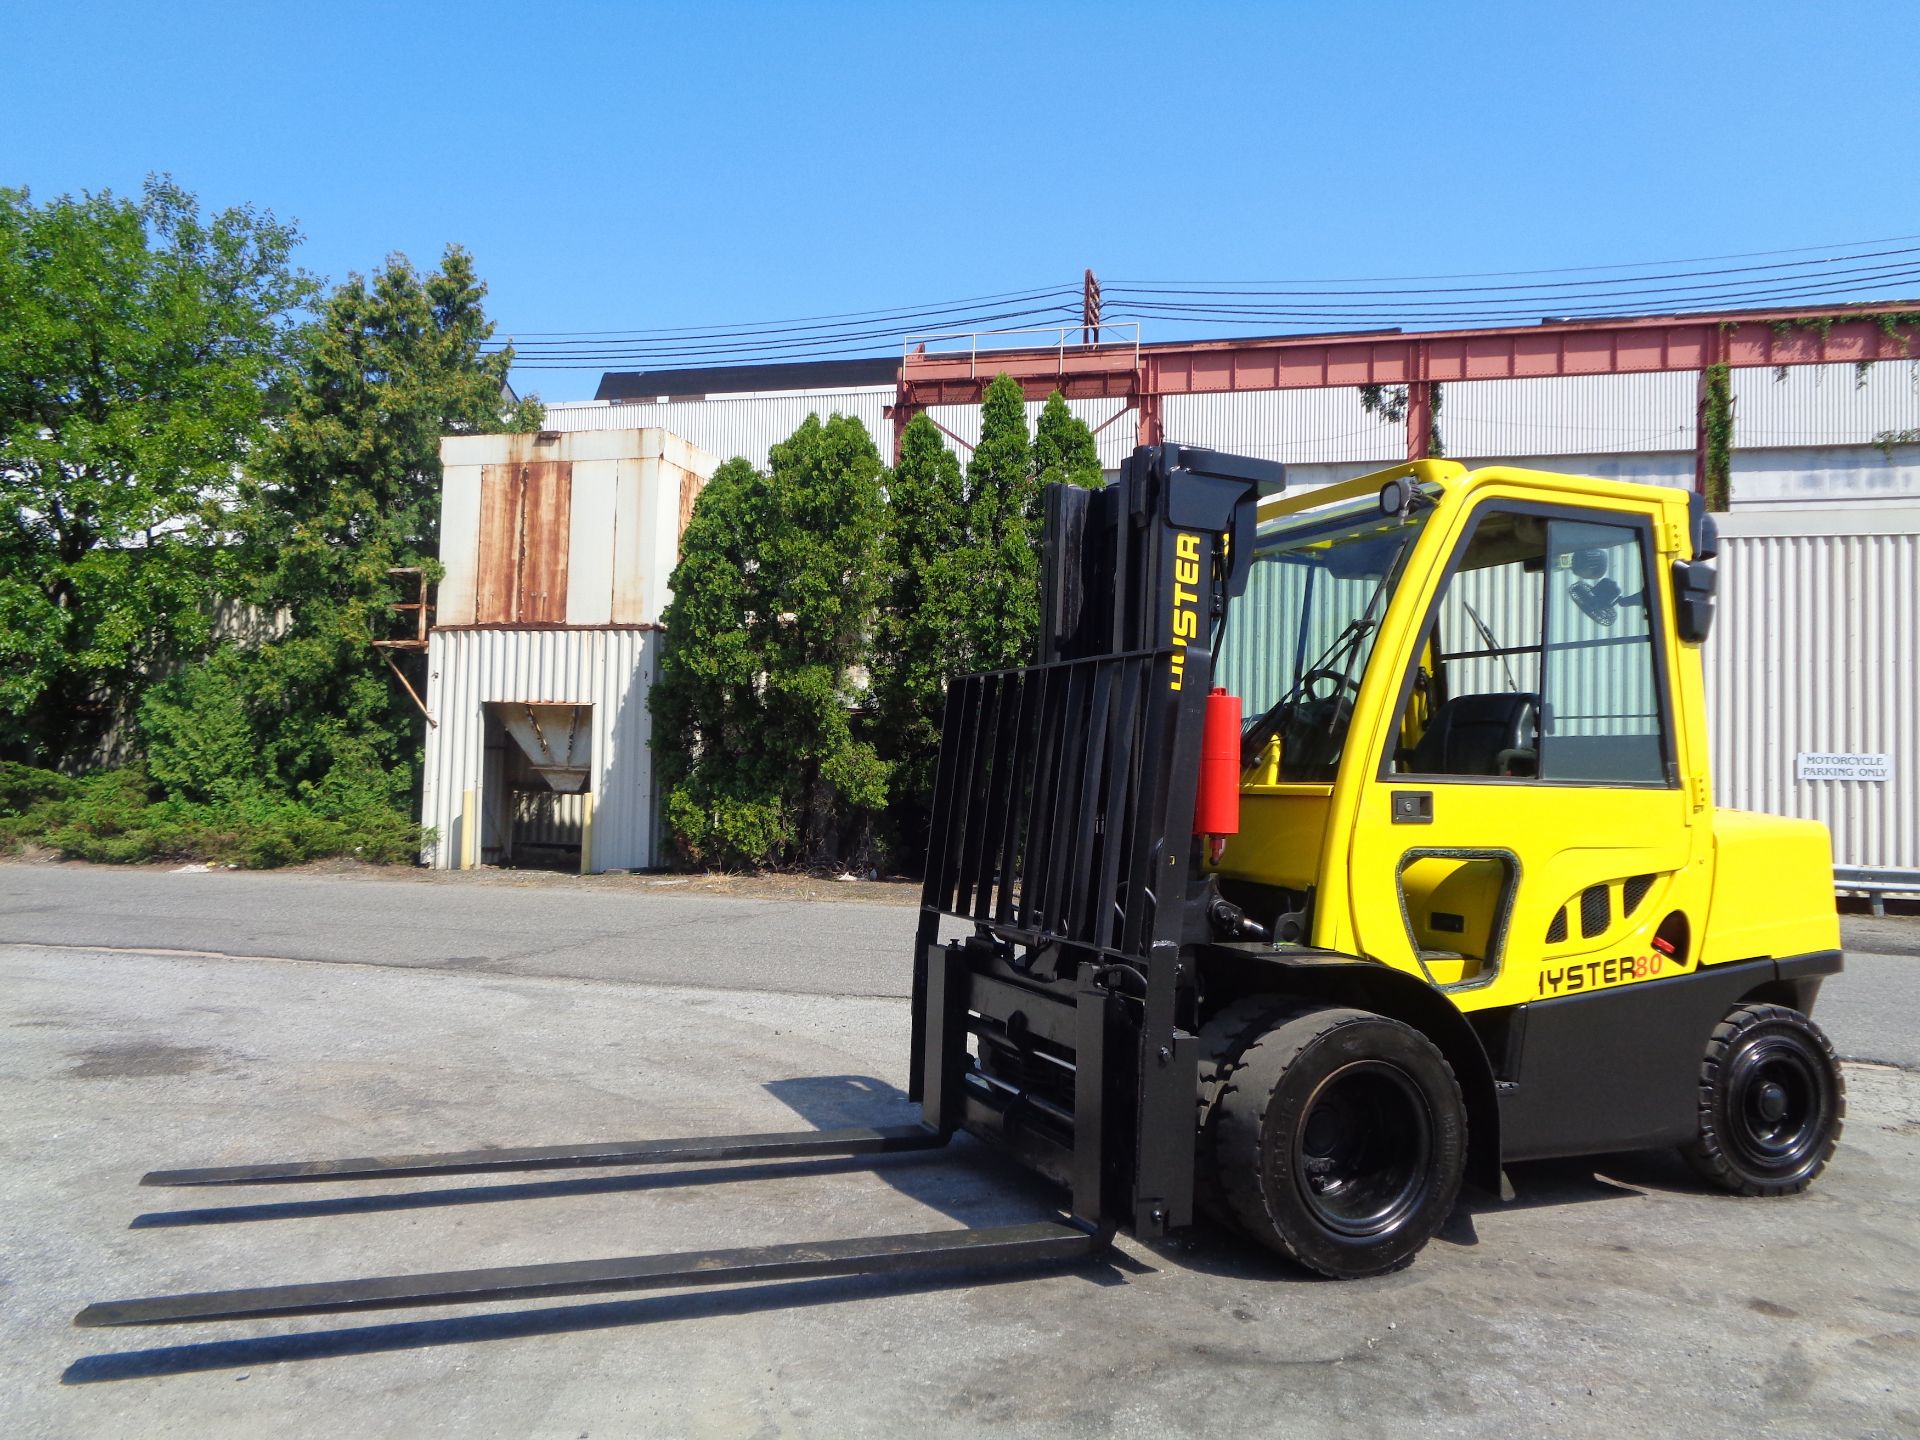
(1341, 1139)
(1772, 1103)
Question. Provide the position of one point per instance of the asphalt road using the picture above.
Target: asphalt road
(1618, 1301)
(580, 930)
(554, 926)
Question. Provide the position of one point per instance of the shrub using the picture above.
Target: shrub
(118, 817)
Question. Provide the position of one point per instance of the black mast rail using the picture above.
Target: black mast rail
(1049, 1242)
(776, 1145)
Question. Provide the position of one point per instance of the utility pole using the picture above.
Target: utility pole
(1090, 310)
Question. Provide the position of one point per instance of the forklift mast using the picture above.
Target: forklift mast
(1063, 836)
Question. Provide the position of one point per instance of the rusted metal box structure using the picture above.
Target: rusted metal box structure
(557, 549)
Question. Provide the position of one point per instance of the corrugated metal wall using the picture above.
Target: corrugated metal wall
(608, 669)
(1300, 427)
(1816, 648)
(547, 818)
(1568, 415)
(1824, 404)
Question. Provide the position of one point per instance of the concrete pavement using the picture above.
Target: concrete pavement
(1622, 1301)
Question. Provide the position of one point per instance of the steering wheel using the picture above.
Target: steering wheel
(1306, 690)
(1309, 721)
(1316, 723)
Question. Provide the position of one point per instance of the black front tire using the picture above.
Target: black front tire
(1341, 1140)
(1223, 1040)
(1772, 1101)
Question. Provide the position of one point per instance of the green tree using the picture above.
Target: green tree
(774, 601)
(1064, 452)
(347, 487)
(921, 637)
(139, 346)
(1001, 560)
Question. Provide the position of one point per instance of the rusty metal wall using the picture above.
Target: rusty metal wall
(1816, 648)
(609, 669)
(574, 529)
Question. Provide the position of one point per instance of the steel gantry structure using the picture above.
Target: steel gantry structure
(1144, 375)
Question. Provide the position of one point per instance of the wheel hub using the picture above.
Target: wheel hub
(1777, 1100)
(1362, 1154)
(1772, 1101)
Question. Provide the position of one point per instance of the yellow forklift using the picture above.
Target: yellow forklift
(1441, 887)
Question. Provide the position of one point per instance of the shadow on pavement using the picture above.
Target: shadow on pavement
(522, 1190)
(970, 1183)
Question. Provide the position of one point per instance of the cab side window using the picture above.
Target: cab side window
(1538, 659)
(1602, 683)
(1474, 705)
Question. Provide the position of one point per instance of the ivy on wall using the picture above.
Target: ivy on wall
(1885, 440)
(1894, 324)
(1716, 421)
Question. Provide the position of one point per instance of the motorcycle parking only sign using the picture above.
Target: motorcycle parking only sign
(1823, 765)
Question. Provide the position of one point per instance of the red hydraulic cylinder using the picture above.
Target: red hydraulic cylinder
(1216, 809)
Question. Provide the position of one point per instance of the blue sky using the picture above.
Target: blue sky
(640, 166)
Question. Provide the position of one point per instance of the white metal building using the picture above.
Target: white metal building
(557, 550)
(1818, 570)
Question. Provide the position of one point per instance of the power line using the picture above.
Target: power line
(1556, 270)
(1637, 287)
(807, 322)
(1599, 286)
(886, 337)
(1666, 302)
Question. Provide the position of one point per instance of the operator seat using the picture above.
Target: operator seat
(1478, 735)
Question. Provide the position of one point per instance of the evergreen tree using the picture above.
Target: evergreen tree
(1064, 452)
(1001, 560)
(920, 638)
(721, 798)
(347, 486)
(774, 600)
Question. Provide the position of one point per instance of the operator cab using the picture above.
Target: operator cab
(1457, 654)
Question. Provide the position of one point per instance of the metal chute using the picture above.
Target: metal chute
(557, 741)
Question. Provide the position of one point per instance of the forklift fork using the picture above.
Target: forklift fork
(1049, 1242)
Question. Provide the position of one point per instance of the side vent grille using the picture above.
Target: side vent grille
(1634, 892)
(1595, 911)
(1557, 931)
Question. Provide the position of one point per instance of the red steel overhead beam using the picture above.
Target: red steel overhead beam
(1621, 346)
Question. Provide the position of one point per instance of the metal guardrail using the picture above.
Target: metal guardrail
(1878, 882)
(922, 347)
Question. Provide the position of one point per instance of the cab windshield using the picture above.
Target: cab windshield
(1299, 640)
